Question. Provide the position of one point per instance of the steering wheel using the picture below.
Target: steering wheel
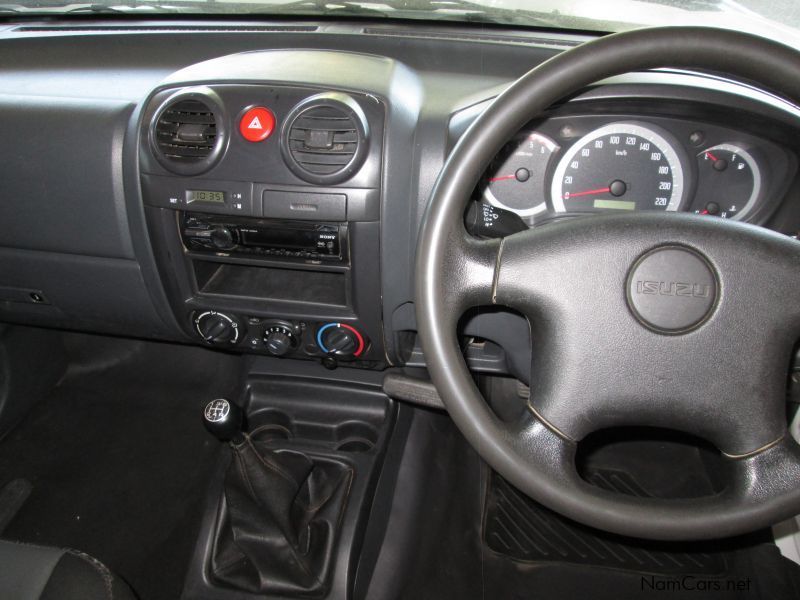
(660, 320)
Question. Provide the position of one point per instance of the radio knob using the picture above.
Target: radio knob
(222, 238)
(217, 328)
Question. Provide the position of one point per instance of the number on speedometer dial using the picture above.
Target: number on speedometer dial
(621, 166)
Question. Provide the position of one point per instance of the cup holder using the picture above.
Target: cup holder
(355, 445)
(355, 436)
(274, 425)
(271, 425)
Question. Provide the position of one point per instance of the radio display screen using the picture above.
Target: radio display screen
(292, 239)
(204, 196)
(277, 238)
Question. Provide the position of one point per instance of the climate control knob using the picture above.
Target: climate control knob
(340, 340)
(280, 337)
(217, 328)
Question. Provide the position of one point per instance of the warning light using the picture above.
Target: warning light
(257, 124)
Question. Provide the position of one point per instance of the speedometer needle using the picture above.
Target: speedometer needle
(587, 193)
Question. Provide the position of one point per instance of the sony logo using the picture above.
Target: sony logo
(673, 288)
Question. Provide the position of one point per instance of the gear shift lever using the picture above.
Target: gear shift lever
(224, 420)
(281, 513)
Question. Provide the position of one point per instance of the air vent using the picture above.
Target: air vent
(325, 139)
(186, 130)
(187, 133)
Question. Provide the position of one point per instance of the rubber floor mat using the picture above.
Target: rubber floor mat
(520, 528)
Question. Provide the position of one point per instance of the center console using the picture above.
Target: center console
(292, 495)
(263, 207)
(262, 199)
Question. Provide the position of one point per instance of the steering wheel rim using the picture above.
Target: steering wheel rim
(455, 272)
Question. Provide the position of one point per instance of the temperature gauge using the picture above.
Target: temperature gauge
(516, 178)
(730, 182)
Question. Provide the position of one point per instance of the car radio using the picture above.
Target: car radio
(249, 237)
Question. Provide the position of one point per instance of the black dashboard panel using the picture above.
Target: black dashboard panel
(89, 221)
(43, 150)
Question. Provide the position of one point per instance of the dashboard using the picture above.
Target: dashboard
(259, 187)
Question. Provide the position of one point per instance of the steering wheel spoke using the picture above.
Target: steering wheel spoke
(465, 267)
(472, 266)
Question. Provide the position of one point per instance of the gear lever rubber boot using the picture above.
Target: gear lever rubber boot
(280, 515)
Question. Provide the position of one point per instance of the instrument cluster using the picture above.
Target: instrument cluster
(591, 164)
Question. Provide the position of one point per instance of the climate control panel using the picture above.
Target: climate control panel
(331, 341)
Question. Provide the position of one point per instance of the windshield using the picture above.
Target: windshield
(770, 18)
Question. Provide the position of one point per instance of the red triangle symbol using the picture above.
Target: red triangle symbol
(255, 124)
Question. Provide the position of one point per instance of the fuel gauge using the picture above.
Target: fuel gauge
(729, 184)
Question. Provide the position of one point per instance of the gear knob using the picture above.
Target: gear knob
(224, 420)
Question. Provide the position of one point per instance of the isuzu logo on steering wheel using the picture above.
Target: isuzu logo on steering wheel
(672, 289)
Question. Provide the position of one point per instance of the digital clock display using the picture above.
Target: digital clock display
(204, 196)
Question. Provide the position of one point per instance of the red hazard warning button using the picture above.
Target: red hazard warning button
(257, 124)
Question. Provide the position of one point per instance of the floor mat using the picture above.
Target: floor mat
(119, 460)
(576, 559)
(436, 546)
(522, 529)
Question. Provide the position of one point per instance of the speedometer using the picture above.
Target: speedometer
(621, 166)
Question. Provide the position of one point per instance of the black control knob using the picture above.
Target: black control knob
(224, 420)
(217, 328)
(278, 342)
(281, 336)
(341, 340)
(222, 238)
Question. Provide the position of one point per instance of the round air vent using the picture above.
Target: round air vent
(188, 133)
(325, 138)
